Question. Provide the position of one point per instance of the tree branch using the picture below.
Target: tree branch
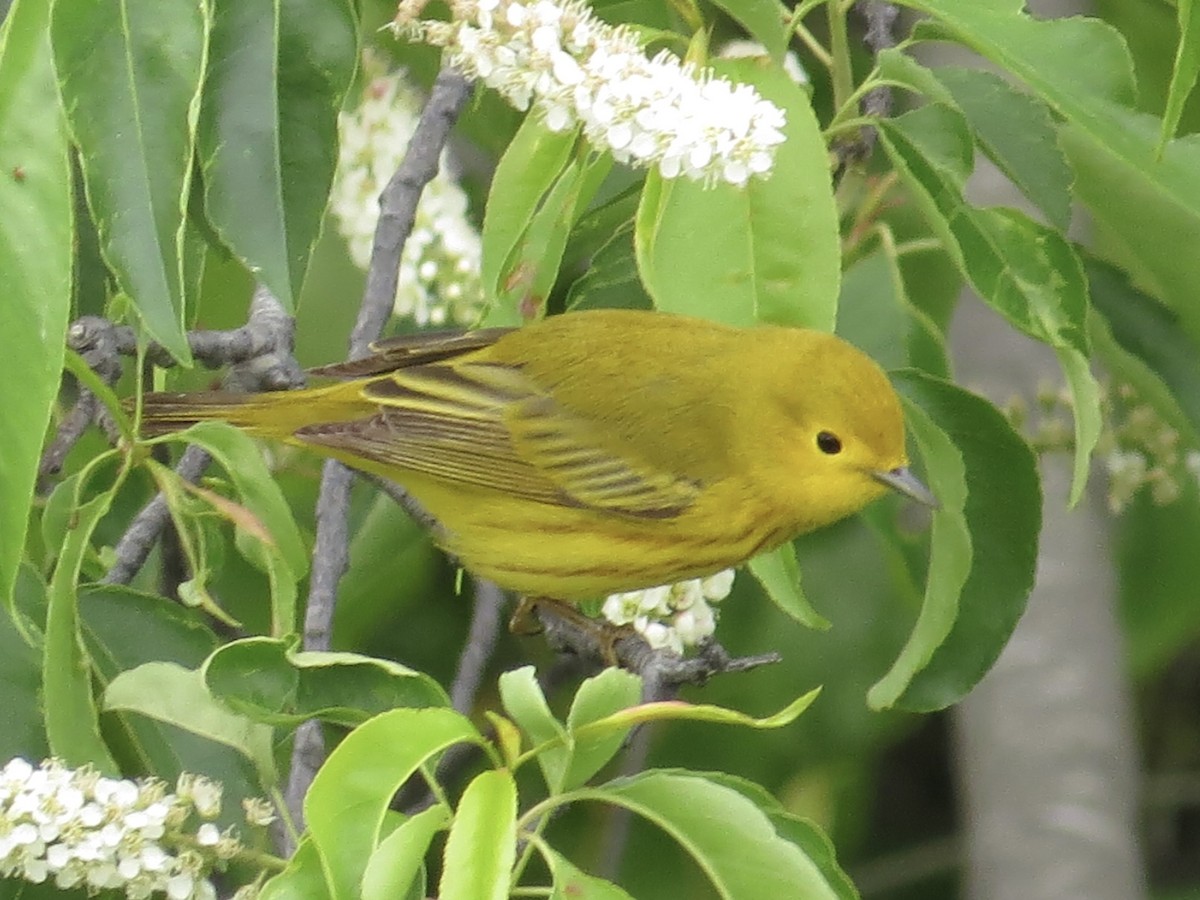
(397, 212)
(662, 671)
(881, 21)
(268, 330)
(139, 538)
(484, 632)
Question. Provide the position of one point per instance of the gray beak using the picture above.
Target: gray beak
(906, 483)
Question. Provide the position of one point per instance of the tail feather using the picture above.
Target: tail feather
(276, 414)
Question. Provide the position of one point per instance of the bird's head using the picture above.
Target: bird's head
(843, 431)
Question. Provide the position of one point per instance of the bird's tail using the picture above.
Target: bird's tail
(278, 414)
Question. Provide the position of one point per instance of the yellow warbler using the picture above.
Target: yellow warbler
(600, 451)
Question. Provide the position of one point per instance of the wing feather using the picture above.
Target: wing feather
(487, 425)
(413, 350)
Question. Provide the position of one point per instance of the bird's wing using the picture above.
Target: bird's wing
(412, 350)
(486, 425)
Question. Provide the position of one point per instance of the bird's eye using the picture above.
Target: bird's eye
(828, 442)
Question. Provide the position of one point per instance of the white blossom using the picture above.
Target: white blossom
(439, 268)
(1191, 462)
(580, 72)
(85, 830)
(742, 49)
(674, 616)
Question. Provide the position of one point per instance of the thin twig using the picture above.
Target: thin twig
(876, 103)
(398, 205)
(270, 328)
(662, 671)
(139, 538)
(94, 339)
(70, 430)
(405, 501)
(620, 818)
(880, 35)
(482, 636)
(397, 212)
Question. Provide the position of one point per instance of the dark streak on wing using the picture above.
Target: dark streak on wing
(486, 425)
(412, 350)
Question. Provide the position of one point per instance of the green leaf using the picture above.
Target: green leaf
(270, 681)
(598, 697)
(767, 252)
(239, 456)
(124, 629)
(1187, 65)
(1001, 512)
(346, 805)
(526, 705)
(572, 884)
(1157, 567)
(764, 20)
(730, 838)
(268, 129)
(1043, 53)
(950, 556)
(1014, 128)
(1141, 342)
(1025, 271)
(611, 280)
(168, 692)
(21, 730)
(72, 723)
(598, 224)
(58, 516)
(1145, 209)
(1017, 132)
(1145, 206)
(800, 831)
(779, 574)
(35, 257)
(533, 266)
(481, 848)
(671, 710)
(531, 165)
(876, 315)
(396, 864)
(130, 78)
(303, 879)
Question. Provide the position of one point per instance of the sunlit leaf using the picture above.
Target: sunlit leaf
(482, 845)
(35, 257)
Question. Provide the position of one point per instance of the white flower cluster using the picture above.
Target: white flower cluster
(83, 830)
(579, 71)
(439, 268)
(674, 616)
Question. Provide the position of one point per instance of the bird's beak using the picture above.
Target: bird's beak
(904, 481)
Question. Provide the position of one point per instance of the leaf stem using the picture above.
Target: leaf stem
(815, 47)
(839, 47)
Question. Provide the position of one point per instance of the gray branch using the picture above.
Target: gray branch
(879, 36)
(482, 635)
(662, 671)
(268, 329)
(147, 526)
(397, 212)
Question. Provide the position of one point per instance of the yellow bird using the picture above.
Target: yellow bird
(600, 451)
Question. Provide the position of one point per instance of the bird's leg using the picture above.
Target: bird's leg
(534, 614)
(524, 619)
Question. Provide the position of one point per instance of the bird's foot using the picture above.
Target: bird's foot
(544, 614)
